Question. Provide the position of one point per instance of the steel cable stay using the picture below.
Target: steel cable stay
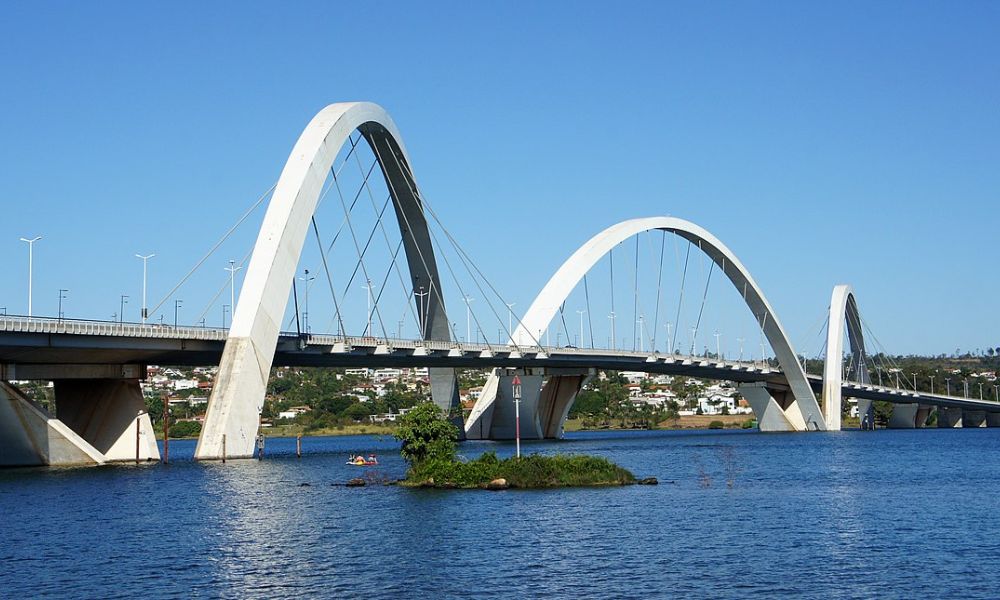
(680, 301)
(467, 261)
(423, 260)
(357, 248)
(214, 247)
(590, 319)
(385, 235)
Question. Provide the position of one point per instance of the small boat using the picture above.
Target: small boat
(361, 461)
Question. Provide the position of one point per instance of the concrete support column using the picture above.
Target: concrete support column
(30, 436)
(904, 416)
(105, 412)
(557, 397)
(993, 419)
(949, 417)
(770, 416)
(923, 414)
(973, 418)
(866, 413)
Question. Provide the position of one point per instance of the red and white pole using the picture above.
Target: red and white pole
(517, 413)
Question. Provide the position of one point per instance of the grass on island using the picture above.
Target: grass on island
(429, 443)
(528, 472)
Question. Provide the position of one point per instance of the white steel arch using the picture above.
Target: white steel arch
(803, 414)
(843, 309)
(238, 396)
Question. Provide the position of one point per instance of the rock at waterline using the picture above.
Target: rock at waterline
(497, 484)
(356, 482)
(648, 481)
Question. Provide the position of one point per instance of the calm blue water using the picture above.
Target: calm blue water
(887, 514)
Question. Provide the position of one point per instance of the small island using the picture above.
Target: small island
(429, 444)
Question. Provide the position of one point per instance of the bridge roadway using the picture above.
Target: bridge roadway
(38, 348)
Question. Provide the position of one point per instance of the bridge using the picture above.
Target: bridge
(96, 366)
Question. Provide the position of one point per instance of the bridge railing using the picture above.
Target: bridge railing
(49, 325)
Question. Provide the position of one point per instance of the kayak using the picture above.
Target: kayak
(360, 462)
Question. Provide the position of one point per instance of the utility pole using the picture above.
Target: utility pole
(31, 266)
(145, 259)
(232, 268)
(121, 313)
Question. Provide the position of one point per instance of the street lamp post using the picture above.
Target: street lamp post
(305, 300)
(516, 389)
(62, 296)
(510, 321)
(579, 343)
(225, 311)
(468, 318)
(31, 266)
(145, 259)
(422, 316)
(121, 312)
(947, 383)
(640, 321)
(368, 311)
(741, 340)
(718, 347)
(177, 305)
(670, 340)
(932, 383)
(914, 381)
(232, 268)
(612, 317)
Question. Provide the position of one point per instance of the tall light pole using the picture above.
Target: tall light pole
(932, 383)
(225, 310)
(516, 392)
(177, 305)
(670, 340)
(639, 322)
(718, 351)
(62, 296)
(368, 312)
(468, 318)
(510, 321)
(145, 259)
(422, 316)
(947, 382)
(232, 268)
(741, 340)
(914, 381)
(121, 312)
(305, 301)
(580, 342)
(612, 317)
(31, 265)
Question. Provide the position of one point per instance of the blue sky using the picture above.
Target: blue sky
(843, 143)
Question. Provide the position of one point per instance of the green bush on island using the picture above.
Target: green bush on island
(429, 443)
(185, 429)
(716, 425)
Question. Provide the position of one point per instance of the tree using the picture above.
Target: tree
(426, 434)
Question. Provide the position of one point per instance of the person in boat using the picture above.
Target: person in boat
(372, 460)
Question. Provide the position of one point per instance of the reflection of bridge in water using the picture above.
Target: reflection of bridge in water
(97, 366)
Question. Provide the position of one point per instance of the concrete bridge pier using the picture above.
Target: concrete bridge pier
(99, 417)
(924, 413)
(905, 416)
(110, 415)
(30, 436)
(866, 413)
(949, 417)
(775, 410)
(503, 420)
(973, 418)
(992, 419)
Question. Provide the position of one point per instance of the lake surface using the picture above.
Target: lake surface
(886, 514)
